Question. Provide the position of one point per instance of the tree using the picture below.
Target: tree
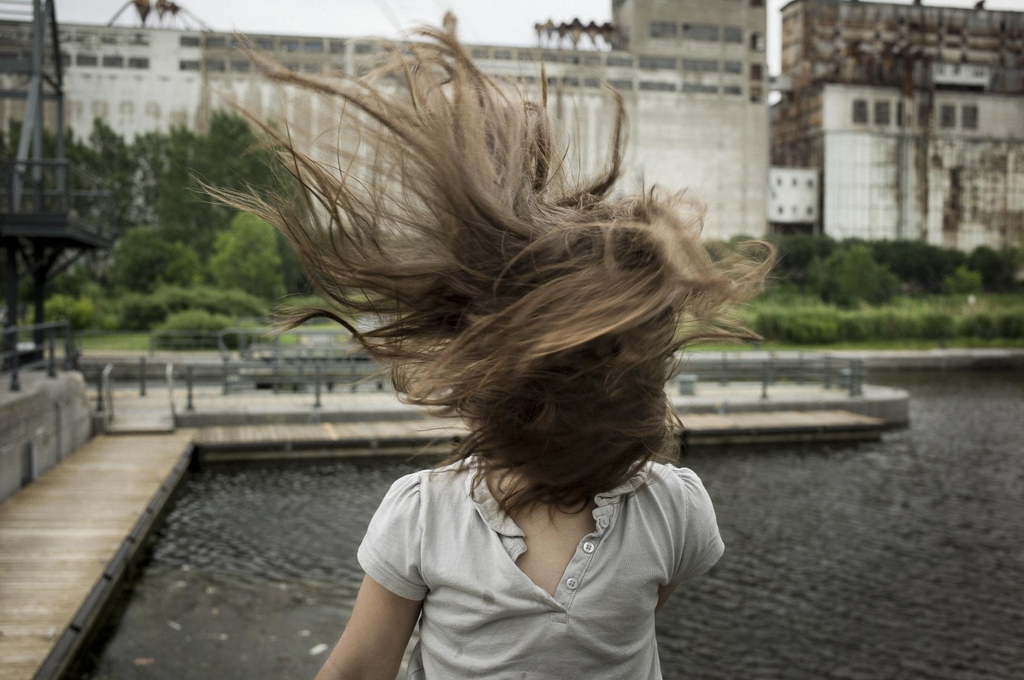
(246, 257)
(144, 259)
(851, 275)
(962, 281)
(997, 268)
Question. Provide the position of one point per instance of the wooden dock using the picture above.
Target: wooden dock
(342, 440)
(66, 539)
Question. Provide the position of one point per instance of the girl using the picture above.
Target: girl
(544, 313)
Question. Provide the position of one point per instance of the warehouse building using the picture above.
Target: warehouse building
(693, 76)
(913, 115)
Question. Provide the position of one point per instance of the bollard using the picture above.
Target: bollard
(188, 382)
(142, 376)
(771, 367)
(51, 366)
(853, 378)
(317, 404)
(828, 372)
(764, 379)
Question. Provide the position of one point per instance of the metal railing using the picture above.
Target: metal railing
(33, 346)
(105, 396)
(169, 376)
(52, 186)
(825, 370)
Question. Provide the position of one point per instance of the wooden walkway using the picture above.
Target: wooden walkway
(334, 440)
(66, 539)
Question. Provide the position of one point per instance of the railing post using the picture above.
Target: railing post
(15, 362)
(764, 379)
(188, 382)
(142, 376)
(99, 393)
(51, 368)
(828, 372)
(859, 377)
(853, 378)
(69, 348)
(771, 367)
(225, 375)
(317, 404)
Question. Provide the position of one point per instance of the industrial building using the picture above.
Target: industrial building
(693, 75)
(912, 114)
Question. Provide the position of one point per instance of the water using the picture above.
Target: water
(895, 559)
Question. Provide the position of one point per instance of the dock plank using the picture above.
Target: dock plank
(58, 534)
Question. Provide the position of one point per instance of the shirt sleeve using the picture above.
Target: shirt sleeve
(390, 551)
(701, 546)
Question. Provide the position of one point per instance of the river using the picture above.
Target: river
(902, 558)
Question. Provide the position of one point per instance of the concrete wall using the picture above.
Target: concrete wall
(953, 186)
(40, 425)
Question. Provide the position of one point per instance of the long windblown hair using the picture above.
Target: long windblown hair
(544, 312)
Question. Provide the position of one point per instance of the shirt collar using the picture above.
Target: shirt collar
(492, 514)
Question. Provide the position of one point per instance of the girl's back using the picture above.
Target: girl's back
(437, 539)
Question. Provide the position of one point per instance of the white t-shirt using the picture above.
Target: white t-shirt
(482, 617)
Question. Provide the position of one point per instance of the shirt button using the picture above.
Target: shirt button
(588, 547)
(571, 583)
(603, 522)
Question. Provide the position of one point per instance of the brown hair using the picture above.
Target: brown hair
(544, 312)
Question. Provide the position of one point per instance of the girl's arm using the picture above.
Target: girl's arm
(375, 638)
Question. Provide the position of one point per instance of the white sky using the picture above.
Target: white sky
(500, 22)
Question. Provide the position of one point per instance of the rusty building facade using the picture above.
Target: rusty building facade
(913, 115)
(692, 74)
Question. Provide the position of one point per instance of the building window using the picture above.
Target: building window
(311, 68)
(621, 84)
(86, 60)
(732, 34)
(289, 45)
(591, 60)
(700, 32)
(860, 111)
(240, 66)
(615, 60)
(733, 67)
(924, 115)
(700, 65)
(138, 62)
(947, 116)
(189, 41)
(479, 53)
(189, 64)
(504, 55)
(113, 61)
(733, 89)
(757, 42)
(570, 81)
(969, 117)
(215, 65)
(215, 42)
(364, 48)
(757, 3)
(663, 29)
(549, 57)
(265, 43)
(756, 93)
(337, 46)
(657, 86)
(658, 62)
(899, 114)
(313, 46)
(108, 39)
(700, 88)
(883, 112)
(524, 55)
(756, 72)
(592, 82)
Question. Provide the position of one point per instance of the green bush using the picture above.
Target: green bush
(139, 312)
(142, 312)
(809, 326)
(80, 312)
(144, 259)
(196, 320)
(246, 256)
(1006, 323)
(850, 276)
(962, 281)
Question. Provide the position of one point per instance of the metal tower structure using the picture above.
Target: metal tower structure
(51, 212)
